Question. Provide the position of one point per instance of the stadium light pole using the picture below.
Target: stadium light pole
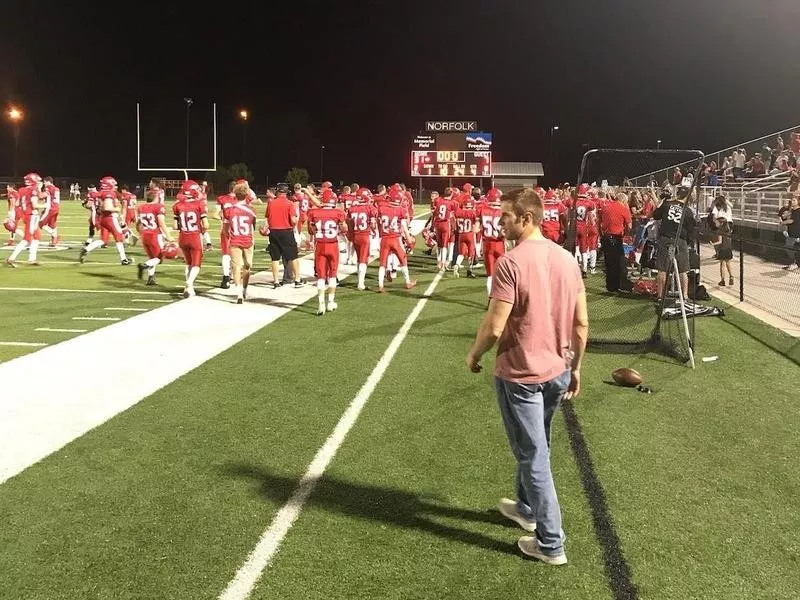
(243, 115)
(321, 157)
(15, 115)
(553, 129)
(658, 144)
(189, 103)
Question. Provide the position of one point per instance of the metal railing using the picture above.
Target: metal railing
(751, 146)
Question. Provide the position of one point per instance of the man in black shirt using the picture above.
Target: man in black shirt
(673, 214)
(791, 219)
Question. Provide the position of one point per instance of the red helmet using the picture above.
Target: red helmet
(10, 225)
(32, 179)
(409, 243)
(190, 189)
(263, 230)
(328, 197)
(395, 196)
(364, 193)
(430, 240)
(583, 190)
(467, 188)
(170, 250)
(550, 195)
(108, 183)
(493, 196)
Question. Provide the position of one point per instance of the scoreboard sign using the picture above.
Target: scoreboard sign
(451, 163)
(424, 142)
(442, 126)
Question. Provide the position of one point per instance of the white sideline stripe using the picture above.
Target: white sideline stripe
(242, 585)
(95, 318)
(148, 300)
(127, 309)
(27, 344)
(60, 330)
(26, 289)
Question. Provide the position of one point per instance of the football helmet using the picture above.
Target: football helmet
(170, 250)
(32, 179)
(108, 184)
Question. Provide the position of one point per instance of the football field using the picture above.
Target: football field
(284, 455)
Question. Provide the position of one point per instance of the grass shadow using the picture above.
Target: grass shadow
(379, 504)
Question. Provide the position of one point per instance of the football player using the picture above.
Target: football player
(110, 212)
(191, 221)
(324, 225)
(151, 223)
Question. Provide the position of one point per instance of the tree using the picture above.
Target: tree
(219, 179)
(297, 175)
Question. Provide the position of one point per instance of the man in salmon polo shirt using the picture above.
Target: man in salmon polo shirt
(537, 316)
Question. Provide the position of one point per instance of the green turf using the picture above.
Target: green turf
(167, 499)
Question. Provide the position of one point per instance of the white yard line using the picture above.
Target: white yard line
(26, 344)
(242, 585)
(96, 319)
(126, 309)
(60, 330)
(71, 291)
(34, 422)
(149, 300)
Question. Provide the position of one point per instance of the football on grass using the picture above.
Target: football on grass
(627, 377)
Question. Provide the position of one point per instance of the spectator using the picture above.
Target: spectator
(615, 223)
(724, 250)
(792, 234)
(722, 208)
(537, 316)
(739, 158)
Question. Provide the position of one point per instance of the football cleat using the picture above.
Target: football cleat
(11, 263)
(141, 268)
(321, 310)
(240, 300)
(226, 282)
(82, 255)
(332, 306)
(125, 262)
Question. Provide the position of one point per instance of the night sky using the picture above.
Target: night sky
(362, 77)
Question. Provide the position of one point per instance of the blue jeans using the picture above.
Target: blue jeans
(527, 411)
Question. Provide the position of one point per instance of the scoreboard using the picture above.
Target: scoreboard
(451, 163)
(451, 154)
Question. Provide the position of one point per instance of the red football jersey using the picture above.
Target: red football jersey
(583, 211)
(324, 224)
(188, 217)
(362, 216)
(443, 210)
(129, 200)
(465, 220)
(552, 218)
(103, 198)
(27, 196)
(148, 218)
(490, 223)
(241, 223)
(390, 219)
(55, 196)
(347, 200)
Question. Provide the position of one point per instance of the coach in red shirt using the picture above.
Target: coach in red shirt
(282, 217)
(615, 222)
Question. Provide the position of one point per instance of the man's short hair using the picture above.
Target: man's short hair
(525, 200)
(282, 188)
(240, 191)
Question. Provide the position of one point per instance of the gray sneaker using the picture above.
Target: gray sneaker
(508, 508)
(530, 547)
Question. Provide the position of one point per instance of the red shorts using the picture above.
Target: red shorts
(492, 250)
(18, 215)
(110, 226)
(301, 222)
(192, 247)
(585, 235)
(31, 232)
(466, 245)
(326, 259)
(50, 220)
(152, 245)
(130, 216)
(442, 234)
(361, 243)
(224, 244)
(392, 244)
